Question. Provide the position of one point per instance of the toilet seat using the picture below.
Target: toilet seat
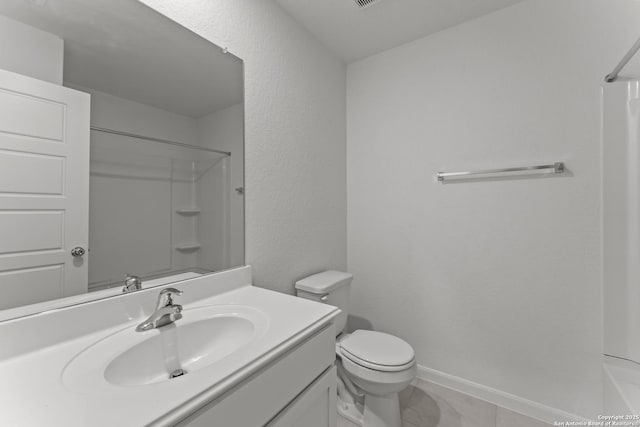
(376, 381)
(377, 351)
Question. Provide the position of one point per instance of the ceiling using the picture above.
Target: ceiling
(126, 49)
(354, 33)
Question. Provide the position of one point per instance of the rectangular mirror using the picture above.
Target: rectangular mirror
(121, 152)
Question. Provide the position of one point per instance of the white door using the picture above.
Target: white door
(44, 190)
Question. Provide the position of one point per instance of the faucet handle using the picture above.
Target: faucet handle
(131, 279)
(131, 283)
(166, 296)
(171, 291)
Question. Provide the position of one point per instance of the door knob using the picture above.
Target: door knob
(77, 251)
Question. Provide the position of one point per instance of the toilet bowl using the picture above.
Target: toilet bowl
(373, 367)
(380, 366)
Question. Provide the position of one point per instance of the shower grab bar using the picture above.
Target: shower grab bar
(557, 167)
(611, 77)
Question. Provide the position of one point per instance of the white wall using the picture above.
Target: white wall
(295, 136)
(112, 112)
(29, 51)
(494, 282)
(224, 130)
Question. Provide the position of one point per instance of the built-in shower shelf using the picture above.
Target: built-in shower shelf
(188, 211)
(188, 247)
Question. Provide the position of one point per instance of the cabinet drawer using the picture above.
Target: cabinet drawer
(262, 396)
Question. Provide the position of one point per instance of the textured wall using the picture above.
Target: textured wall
(295, 136)
(495, 282)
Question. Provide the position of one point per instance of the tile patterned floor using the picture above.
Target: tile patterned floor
(426, 404)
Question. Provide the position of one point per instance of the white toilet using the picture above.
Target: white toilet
(373, 367)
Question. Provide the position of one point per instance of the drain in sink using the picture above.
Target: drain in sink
(177, 373)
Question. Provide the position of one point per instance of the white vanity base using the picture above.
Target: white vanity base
(302, 384)
(285, 377)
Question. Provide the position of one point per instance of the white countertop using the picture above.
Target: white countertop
(33, 392)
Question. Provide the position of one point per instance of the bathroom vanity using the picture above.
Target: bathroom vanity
(252, 357)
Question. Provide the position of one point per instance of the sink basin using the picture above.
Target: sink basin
(204, 336)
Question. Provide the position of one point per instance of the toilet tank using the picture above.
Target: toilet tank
(329, 287)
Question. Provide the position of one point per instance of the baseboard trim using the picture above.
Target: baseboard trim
(505, 400)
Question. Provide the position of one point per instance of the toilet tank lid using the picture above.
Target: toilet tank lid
(324, 282)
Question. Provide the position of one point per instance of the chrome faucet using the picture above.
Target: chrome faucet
(131, 283)
(166, 311)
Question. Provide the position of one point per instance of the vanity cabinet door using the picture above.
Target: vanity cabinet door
(314, 407)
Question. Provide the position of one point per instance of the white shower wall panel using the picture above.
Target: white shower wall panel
(621, 210)
(184, 228)
(213, 231)
(224, 130)
(128, 234)
(136, 188)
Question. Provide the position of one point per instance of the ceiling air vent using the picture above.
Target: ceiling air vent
(365, 3)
